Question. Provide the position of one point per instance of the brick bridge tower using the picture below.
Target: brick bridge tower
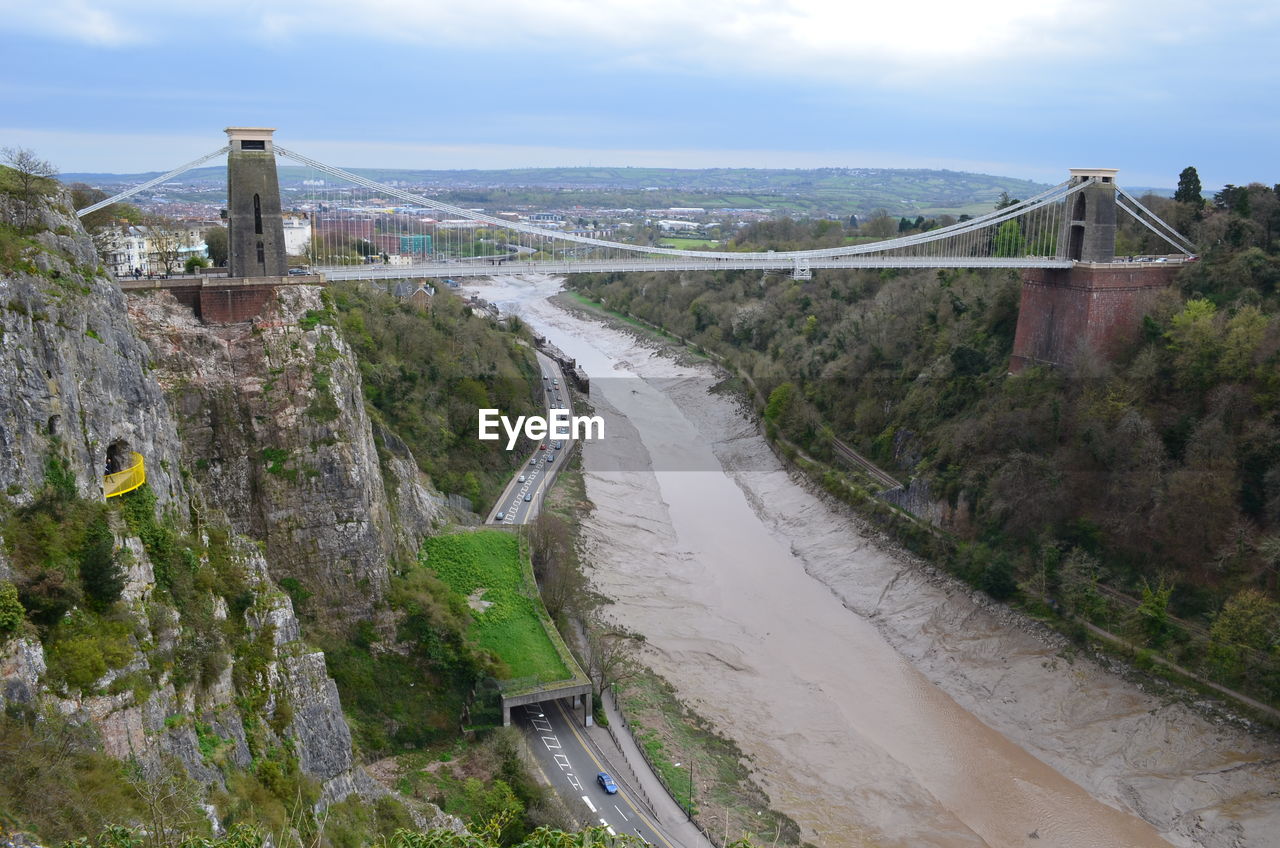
(1098, 303)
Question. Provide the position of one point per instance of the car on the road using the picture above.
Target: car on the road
(544, 376)
(551, 457)
(542, 446)
(557, 446)
(297, 272)
(555, 381)
(528, 497)
(533, 460)
(501, 515)
(522, 478)
(606, 783)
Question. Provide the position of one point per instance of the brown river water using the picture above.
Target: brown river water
(880, 703)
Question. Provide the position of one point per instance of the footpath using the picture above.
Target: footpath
(630, 769)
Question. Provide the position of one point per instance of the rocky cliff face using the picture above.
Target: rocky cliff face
(273, 435)
(275, 430)
(73, 373)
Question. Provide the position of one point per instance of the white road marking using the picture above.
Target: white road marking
(538, 725)
(563, 762)
(612, 832)
(552, 743)
(590, 805)
(624, 815)
(573, 781)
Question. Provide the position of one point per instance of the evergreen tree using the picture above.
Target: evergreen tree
(1189, 187)
(101, 576)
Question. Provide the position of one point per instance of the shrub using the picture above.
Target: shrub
(11, 610)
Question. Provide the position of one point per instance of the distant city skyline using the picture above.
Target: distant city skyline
(1014, 89)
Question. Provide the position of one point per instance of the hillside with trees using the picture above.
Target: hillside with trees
(1140, 493)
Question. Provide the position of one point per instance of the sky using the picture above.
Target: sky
(1025, 89)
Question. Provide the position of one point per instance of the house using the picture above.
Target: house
(415, 292)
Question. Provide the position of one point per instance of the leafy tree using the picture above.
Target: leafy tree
(215, 245)
(1153, 612)
(1189, 188)
(1248, 622)
(1195, 342)
(1009, 241)
(11, 611)
(194, 262)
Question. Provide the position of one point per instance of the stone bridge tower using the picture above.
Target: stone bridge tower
(1098, 303)
(1089, 232)
(255, 229)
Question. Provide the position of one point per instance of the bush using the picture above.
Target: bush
(12, 612)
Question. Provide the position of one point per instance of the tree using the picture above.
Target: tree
(880, 224)
(32, 178)
(1009, 241)
(1006, 201)
(612, 653)
(166, 238)
(194, 262)
(1249, 622)
(11, 611)
(100, 574)
(215, 245)
(105, 226)
(1152, 615)
(1189, 188)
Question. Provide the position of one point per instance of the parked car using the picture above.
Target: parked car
(501, 515)
(522, 478)
(606, 783)
(528, 497)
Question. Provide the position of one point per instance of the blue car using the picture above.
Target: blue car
(606, 783)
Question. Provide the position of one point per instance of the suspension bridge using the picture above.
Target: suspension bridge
(362, 229)
(1074, 291)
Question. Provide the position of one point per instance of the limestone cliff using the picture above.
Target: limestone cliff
(73, 373)
(274, 427)
(262, 423)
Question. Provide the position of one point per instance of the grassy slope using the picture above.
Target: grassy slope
(490, 560)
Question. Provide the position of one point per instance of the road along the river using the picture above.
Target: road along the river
(570, 766)
(522, 498)
(879, 702)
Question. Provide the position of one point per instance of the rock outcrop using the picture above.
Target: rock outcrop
(74, 378)
(275, 429)
(262, 423)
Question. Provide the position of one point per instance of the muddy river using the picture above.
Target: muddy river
(881, 704)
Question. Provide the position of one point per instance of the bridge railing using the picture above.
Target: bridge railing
(127, 480)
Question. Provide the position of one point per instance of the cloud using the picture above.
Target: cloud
(940, 40)
(73, 20)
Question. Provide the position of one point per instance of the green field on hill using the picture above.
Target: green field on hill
(488, 567)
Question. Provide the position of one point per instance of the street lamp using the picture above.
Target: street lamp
(689, 805)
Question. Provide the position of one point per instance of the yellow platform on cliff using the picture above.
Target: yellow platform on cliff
(126, 480)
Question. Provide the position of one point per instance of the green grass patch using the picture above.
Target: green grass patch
(690, 243)
(490, 565)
